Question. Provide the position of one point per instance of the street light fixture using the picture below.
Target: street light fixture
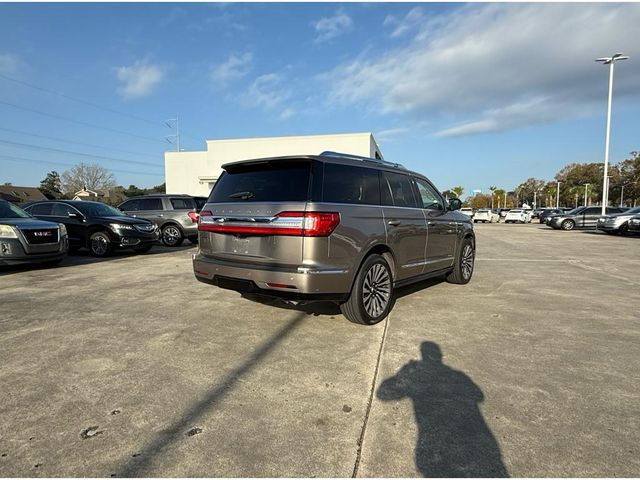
(608, 61)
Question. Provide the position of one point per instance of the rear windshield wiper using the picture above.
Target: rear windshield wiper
(242, 195)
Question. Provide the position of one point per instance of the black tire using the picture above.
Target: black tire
(172, 235)
(463, 267)
(142, 248)
(624, 229)
(568, 225)
(100, 244)
(379, 302)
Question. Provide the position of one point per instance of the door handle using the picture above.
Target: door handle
(394, 223)
(161, 215)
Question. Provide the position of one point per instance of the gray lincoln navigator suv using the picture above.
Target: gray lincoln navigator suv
(330, 227)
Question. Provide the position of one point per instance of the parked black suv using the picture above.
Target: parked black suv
(23, 239)
(175, 215)
(97, 226)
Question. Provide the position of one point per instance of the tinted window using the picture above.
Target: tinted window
(150, 204)
(40, 209)
(200, 201)
(62, 210)
(8, 210)
(263, 182)
(184, 203)
(592, 211)
(130, 206)
(347, 184)
(97, 209)
(430, 199)
(400, 188)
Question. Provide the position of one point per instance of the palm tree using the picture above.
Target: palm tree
(493, 192)
(500, 194)
(458, 191)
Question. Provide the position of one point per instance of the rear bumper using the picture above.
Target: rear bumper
(304, 284)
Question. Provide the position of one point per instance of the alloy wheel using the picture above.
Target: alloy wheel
(170, 235)
(99, 245)
(376, 290)
(466, 262)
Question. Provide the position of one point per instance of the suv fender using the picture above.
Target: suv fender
(376, 249)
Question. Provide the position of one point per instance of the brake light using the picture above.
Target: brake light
(193, 215)
(299, 224)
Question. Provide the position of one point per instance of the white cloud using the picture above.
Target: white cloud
(268, 93)
(495, 67)
(234, 68)
(409, 22)
(390, 134)
(139, 79)
(9, 63)
(328, 28)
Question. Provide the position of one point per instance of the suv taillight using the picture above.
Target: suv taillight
(193, 215)
(299, 224)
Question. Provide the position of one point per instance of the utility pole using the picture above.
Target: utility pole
(608, 61)
(176, 136)
(558, 195)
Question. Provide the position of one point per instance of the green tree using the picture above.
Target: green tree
(527, 188)
(492, 189)
(458, 191)
(480, 201)
(500, 194)
(630, 178)
(51, 185)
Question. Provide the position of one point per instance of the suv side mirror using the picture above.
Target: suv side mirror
(455, 204)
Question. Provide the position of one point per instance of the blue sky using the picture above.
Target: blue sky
(468, 94)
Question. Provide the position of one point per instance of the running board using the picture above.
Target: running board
(421, 277)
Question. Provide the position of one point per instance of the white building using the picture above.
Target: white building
(195, 173)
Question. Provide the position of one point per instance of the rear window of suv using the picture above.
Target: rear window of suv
(263, 182)
(184, 203)
(347, 184)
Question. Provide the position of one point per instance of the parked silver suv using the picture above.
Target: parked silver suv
(330, 227)
(175, 215)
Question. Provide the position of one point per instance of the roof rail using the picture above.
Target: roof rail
(350, 156)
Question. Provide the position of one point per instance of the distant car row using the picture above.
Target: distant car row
(616, 220)
(43, 231)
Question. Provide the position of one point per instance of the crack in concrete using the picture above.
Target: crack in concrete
(370, 402)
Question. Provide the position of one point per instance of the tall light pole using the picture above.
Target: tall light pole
(608, 61)
(586, 186)
(558, 195)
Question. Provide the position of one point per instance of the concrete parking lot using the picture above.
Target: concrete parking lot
(130, 367)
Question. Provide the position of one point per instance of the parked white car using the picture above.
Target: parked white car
(485, 215)
(518, 216)
(467, 211)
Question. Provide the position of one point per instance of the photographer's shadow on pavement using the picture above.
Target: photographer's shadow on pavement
(453, 438)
